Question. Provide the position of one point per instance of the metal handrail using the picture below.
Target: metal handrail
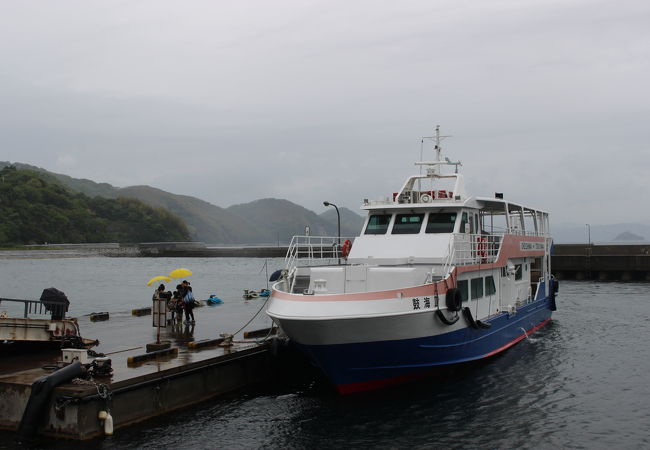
(472, 249)
(36, 307)
(314, 248)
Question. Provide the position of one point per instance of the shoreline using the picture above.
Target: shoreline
(145, 250)
(604, 262)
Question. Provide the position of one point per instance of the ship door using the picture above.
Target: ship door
(506, 287)
(462, 240)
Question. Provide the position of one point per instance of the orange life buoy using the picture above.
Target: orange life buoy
(482, 247)
(345, 250)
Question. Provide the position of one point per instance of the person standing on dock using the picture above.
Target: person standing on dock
(188, 302)
(157, 293)
(175, 306)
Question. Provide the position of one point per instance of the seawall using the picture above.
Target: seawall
(601, 262)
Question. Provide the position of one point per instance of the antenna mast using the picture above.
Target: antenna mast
(437, 147)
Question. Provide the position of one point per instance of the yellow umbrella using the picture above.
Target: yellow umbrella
(180, 273)
(159, 278)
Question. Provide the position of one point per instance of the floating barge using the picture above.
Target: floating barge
(141, 385)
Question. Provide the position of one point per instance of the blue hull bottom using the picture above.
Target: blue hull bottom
(370, 365)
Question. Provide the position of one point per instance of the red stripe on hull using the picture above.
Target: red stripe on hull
(378, 384)
(352, 388)
(519, 338)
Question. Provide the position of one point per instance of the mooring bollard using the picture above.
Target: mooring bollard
(141, 311)
(152, 355)
(196, 345)
(99, 317)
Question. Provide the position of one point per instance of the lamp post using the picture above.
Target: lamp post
(588, 233)
(338, 218)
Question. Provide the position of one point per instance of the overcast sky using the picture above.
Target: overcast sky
(231, 101)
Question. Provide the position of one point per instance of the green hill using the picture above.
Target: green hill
(35, 210)
(259, 222)
(88, 187)
(206, 222)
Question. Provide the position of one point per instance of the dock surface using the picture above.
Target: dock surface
(138, 391)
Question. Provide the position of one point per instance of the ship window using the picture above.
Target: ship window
(378, 224)
(463, 222)
(518, 272)
(477, 288)
(408, 223)
(490, 288)
(462, 287)
(442, 222)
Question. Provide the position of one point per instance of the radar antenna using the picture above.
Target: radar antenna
(437, 139)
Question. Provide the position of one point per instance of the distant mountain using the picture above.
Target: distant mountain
(281, 220)
(267, 220)
(627, 236)
(259, 222)
(351, 222)
(206, 222)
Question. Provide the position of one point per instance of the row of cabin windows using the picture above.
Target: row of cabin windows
(441, 222)
(475, 287)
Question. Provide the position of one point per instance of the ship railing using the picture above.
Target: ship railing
(314, 250)
(28, 307)
(470, 249)
(518, 232)
(449, 262)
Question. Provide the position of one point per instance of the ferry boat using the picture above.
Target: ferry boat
(437, 277)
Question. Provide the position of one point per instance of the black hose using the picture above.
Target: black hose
(38, 403)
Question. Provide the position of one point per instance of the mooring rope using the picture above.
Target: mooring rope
(252, 318)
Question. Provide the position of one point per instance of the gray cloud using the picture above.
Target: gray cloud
(234, 101)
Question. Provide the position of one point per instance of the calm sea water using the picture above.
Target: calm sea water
(583, 381)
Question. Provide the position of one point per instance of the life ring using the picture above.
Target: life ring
(345, 250)
(425, 198)
(454, 300)
(482, 247)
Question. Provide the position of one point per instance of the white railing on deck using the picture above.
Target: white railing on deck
(464, 249)
(314, 249)
(470, 249)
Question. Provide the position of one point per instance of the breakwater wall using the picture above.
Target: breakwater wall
(148, 249)
(601, 262)
(213, 252)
